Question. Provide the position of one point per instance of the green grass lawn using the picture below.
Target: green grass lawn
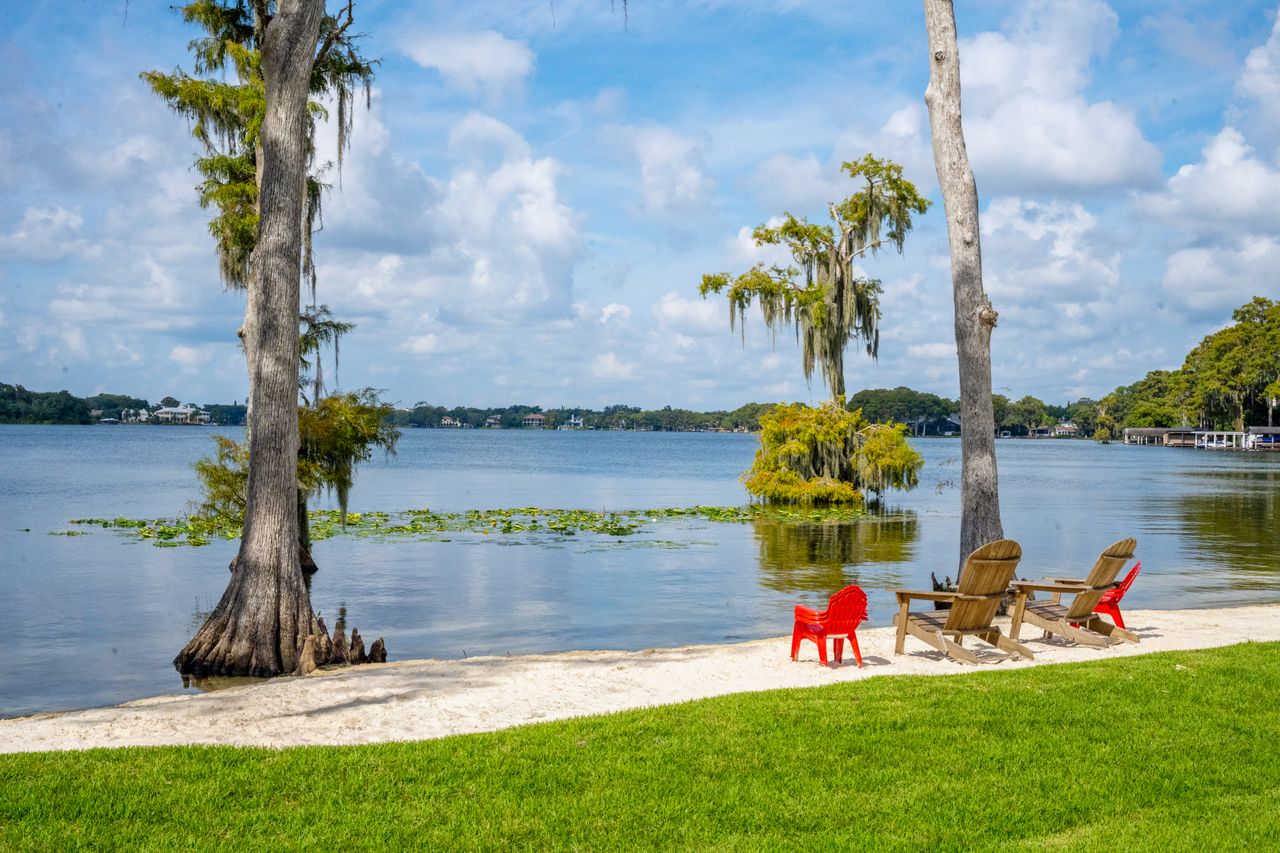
(1175, 751)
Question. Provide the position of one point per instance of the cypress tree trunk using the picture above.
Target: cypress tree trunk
(975, 318)
(264, 616)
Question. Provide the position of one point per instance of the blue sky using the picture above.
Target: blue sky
(526, 211)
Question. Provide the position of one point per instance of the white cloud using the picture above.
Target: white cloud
(477, 132)
(609, 366)
(1027, 122)
(741, 249)
(697, 317)
(904, 137)
(1045, 252)
(1259, 82)
(614, 310)
(189, 359)
(1229, 189)
(787, 182)
(476, 62)
(47, 233)
(491, 241)
(673, 178)
(936, 350)
(1223, 277)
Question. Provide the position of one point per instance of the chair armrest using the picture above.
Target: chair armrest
(1079, 581)
(808, 614)
(925, 595)
(1022, 586)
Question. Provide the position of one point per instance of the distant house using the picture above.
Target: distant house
(534, 421)
(1057, 431)
(574, 422)
(187, 414)
(493, 421)
(450, 422)
(135, 416)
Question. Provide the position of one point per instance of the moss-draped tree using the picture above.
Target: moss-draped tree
(258, 170)
(823, 296)
(827, 454)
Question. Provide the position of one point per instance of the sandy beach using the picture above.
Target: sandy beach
(417, 700)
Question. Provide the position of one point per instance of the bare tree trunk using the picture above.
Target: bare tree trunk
(975, 318)
(262, 621)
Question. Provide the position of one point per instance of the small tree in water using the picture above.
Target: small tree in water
(828, 455)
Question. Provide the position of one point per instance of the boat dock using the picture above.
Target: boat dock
(1253, 438)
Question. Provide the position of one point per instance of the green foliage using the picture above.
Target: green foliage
(1028, 413)
(828, 455)
(225, 101)
(822, 296)
(1084, 414)
(1231, 379)
(339, 432)
(1157, 752)
(20, 406)
(224, 481)
(319, 328)
(111, 405)
(1000, 407)
(902, 404)
(342, 431)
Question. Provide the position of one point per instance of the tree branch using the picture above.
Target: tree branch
(337, 34)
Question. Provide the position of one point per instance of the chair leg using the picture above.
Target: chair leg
(797, 635)
(1112, 610)
(822, 649)
(901, 621)
(837, 646)
(1115, 632)
(955, 650)
(1019, 608)
(857, 652)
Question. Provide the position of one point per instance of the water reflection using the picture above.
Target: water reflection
(1234, 528)
(829, 556)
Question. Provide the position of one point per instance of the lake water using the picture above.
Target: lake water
(97, 619)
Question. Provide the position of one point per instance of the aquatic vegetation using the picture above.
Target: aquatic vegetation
(427, 525)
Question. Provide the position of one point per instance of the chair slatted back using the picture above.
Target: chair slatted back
(1101, 577)
(846, 610)
(1118, 593)
(987, 572)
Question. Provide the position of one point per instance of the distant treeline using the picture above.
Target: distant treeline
(1230, 379)
(21, 406)
(611, 417)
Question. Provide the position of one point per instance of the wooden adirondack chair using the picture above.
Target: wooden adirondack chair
(983, 582)
(1109, 604)
(1078, 622)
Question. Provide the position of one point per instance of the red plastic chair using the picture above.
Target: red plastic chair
(846, 609)
(1109, 604)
